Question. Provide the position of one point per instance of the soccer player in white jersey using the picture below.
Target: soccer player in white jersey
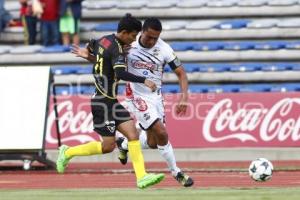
(147, 57)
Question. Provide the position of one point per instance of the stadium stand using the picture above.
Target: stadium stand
(226, 45)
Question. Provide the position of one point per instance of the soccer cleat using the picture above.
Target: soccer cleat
(149, 179)
(184, 179)
(62, 161)
(122, 152)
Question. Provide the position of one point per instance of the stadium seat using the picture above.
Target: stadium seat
(5, 49)
(245, 67)
(262, 23)
(26, 49)
(192, 67)
(270, 45)
(215, 67)
(55, 49)
(65, 90)
(191, 3)
(252, 3)
(62, 70)
(282, 2)
(285, 87)
(100, 4)
(175, 25)
(293, 45)
(208, 46)
(109, 26)
(87, 26)
(182, 46)
(233, 24)
(243, 45)
(275, 67)
(255, 88)
(289, 23)
(221, 3)
(202, 24)
(84, 70)
(131, 4)
(161, 4)
(170, 88)
(88, 90)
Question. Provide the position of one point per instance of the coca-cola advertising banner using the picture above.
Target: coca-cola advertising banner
(212, 120)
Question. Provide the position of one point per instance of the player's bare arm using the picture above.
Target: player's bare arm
(83, 53)
(183, 82)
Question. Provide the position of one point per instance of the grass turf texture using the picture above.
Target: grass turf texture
(154, 194)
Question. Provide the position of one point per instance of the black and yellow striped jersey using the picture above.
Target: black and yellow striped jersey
(109, 56)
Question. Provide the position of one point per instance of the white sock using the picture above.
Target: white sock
(143, 140)
(168, 154)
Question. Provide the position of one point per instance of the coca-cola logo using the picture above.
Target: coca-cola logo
(74, 125)
(223, 122)
(143, 65)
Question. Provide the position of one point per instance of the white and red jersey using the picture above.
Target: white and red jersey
(148, 63)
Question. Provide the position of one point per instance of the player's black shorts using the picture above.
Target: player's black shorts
(107, 115)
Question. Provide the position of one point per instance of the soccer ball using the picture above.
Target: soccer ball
(261, 170)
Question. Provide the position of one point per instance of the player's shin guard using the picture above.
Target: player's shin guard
(91, 148)
(135, 153)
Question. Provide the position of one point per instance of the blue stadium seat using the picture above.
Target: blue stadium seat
(252, 3)
(295, 66)
(88, 90)
(192, 67)
(293, 45)
(285, 87)
(60, 70)
(65, 90)
(55, 49)
(243, 45)
(182, 46)
(276, 67)
(255, 88)
(108, 26)
(208, 46)
(170, 88)
(233, 24)
(282, 2)
(84, 70)
(246, 67)
(270, 45)
(215, 67)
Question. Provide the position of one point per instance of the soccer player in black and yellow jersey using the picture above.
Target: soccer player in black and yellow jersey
(109, 115)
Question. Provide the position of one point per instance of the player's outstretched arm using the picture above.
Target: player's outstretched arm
(83, 53)
(126, 76)
(183, 82)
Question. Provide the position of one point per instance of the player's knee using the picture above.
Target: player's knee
(108, 147)
(162, 138)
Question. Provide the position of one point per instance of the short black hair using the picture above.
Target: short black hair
(152, 23)
(129, 24)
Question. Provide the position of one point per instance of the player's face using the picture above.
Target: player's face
(130, 37)
(149, 37)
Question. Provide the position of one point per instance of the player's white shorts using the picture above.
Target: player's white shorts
(146, 109)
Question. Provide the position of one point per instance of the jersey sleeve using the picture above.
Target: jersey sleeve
(92, 47)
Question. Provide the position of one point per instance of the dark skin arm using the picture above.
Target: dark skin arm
(183, 82)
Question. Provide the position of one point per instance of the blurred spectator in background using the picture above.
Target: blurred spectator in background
(29, 22)
(70, 14)
(49, 22)
(5, 17)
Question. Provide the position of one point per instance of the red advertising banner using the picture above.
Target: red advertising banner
(212, 120)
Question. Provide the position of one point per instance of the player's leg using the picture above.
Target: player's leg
(104, 125)
(126, 126)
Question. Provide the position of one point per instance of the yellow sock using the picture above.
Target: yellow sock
(137, 159)
(91, 148)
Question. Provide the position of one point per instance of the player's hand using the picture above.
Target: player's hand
(150, 85)
(181, 107)
(79, 52)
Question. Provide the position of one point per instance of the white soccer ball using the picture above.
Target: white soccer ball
(261, 169)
